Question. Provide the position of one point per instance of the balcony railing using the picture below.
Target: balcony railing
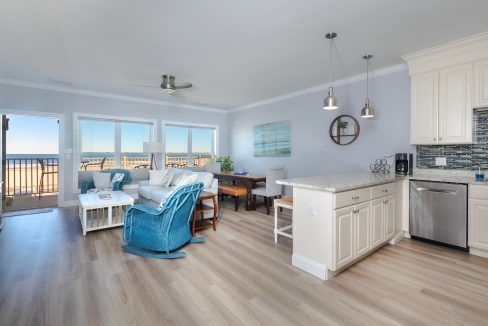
(23, 176)
(179, 161)
(126, 162)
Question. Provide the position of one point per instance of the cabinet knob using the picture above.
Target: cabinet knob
(440, 138)
(385, 190)
(435, 138)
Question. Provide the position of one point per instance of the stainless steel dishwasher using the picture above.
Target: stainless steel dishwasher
(438, 212)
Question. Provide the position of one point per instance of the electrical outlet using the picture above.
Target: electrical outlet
(440, 161)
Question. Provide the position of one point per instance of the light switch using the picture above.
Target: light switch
(312, 209)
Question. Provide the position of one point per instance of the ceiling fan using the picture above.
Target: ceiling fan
(168, 84)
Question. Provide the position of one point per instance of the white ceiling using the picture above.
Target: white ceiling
(234, 52)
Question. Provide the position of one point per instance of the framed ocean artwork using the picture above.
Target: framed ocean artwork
(272, 139)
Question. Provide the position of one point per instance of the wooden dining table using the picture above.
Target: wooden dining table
(248, 180)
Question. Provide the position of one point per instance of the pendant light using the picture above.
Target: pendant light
(367, 111)
(330, 102)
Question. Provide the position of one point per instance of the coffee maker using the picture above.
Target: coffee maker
(403, 163)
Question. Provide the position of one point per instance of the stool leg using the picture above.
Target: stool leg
(275, 224)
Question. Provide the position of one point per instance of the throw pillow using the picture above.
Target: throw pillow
(117, 177)
(156, 177)
(187, 179)
(101, 180)
(161, 204)
(167, 178)
(205, 178)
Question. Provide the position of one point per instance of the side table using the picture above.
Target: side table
(200, 208)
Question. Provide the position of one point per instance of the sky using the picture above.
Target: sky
(32, 135)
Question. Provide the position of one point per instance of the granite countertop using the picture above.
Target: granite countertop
(339, 182)
(344, 182)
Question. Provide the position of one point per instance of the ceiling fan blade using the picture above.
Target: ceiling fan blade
(183, 85)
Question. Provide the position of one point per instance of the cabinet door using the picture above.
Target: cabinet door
(478, 223)
(481, 84)
(424, 108)
(389, 217)
(455, 105)
(344, 237)
(377, 222)
(362, 224)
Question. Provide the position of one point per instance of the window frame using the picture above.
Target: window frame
(78, 116)
(190, 125)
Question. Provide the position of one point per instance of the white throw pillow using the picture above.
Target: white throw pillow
(187, 179)
(161, 204)
(117, 177)
(205, 178)
(167, 178)
(156, 177)
(101, 180)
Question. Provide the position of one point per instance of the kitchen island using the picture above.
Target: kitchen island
(340, 219)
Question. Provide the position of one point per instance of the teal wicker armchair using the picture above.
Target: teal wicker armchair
(153, 233)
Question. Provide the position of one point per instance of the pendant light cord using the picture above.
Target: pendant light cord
(330, 68)
(367, 79)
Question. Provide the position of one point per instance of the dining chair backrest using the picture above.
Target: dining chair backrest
(272, 188)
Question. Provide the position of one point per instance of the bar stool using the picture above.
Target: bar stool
(283, 202)
(46, 169)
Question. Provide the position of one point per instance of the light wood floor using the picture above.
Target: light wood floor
(51, 275)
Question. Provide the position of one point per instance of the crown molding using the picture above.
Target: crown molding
(468, 49)
(78, 91)
(322, 87)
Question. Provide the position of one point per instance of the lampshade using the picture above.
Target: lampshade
(331, 102)
(367, 111)
(152, 147)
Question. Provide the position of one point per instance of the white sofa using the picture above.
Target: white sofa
(151, 196)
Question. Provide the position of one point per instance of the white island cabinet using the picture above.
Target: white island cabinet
(339, 219)
(478, 220)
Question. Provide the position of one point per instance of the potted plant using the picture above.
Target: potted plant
(342, 126)
(226, 163)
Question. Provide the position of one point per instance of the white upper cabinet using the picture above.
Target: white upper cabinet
(441, 108)
(447, 82)
(455, 105)
(425, 105)
(481, 84)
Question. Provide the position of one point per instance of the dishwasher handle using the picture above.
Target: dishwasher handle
(442, 191)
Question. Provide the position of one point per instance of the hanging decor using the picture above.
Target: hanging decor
(330, 102)
(367, 111)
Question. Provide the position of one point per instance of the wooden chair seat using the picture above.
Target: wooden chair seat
(234, 191)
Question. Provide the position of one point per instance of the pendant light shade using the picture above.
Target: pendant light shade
(367, 111)
(330, 102)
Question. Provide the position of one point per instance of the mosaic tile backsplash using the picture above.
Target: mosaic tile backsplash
(459, 157)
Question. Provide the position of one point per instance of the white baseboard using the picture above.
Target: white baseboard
(70, 203)
(478, 252)
(310, 266)
(397, 238)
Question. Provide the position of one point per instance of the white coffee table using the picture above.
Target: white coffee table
(96, 213)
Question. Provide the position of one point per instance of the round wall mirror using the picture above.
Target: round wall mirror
(344, 130)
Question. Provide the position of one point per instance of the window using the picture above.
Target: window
(189, 145)
(107, 144)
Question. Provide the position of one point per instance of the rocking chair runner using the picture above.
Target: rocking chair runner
(149, 232)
